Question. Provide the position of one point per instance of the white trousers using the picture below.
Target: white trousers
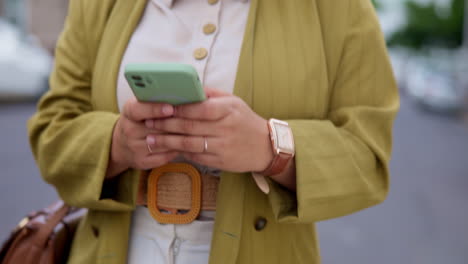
(155, 243)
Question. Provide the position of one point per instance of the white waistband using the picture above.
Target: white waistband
(197, 231)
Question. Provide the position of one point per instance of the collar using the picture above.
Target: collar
(169, 3)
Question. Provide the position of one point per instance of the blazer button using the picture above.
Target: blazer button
(260, 223)
(95, 231)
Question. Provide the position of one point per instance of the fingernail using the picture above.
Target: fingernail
(150, 140)
(149, 123)
(168, 109)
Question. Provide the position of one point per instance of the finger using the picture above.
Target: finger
(157, 160)
(206, 159)
(136, 130)
(211, 92)
(186, 126)
(142, 146)
(195, 144)
(139, 111)
(211, 109)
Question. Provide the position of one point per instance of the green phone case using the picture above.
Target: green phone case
(170, 83)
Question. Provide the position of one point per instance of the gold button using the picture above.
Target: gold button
(209, 28)
(200, 53)
(213, 2)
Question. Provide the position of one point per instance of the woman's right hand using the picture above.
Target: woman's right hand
(129, 148)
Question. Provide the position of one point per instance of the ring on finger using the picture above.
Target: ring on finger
(149, 148)
(205, 145)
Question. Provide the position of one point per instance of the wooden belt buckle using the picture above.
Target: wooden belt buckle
(152, 197)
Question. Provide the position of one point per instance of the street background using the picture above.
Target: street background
(425, 218)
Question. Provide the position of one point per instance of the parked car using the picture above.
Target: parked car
(24, 66)
(433, 84)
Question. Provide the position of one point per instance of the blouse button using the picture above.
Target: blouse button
(200, 53)
(209, 28)
(260, 223)
(213, 2)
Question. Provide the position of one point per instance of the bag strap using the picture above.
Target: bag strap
(51, 222)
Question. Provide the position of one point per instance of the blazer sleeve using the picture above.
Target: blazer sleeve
(69, 139)
(342, 162)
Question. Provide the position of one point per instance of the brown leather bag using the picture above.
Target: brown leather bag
(43, 237)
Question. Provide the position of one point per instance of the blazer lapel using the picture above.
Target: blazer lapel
(228, 225)
(121, 24)
(244, 80)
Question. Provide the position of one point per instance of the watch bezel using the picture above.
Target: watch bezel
(274, 137)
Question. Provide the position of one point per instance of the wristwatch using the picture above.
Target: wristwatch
(282, 142)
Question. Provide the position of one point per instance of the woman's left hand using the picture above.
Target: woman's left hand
(237, 138)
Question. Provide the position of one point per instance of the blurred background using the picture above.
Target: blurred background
(425, 218)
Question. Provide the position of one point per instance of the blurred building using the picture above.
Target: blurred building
(42, 18)
(45, 20)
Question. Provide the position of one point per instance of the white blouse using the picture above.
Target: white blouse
(206, 34)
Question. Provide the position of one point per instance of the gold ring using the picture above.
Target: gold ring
(149, 148)
(205, 146)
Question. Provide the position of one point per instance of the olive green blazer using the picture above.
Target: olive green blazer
(321, 65)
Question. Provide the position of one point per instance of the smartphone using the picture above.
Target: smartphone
(171, 83)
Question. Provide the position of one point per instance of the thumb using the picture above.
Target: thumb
(211, 92)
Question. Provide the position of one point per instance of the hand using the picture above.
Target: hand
(129, 148)
(237, 138)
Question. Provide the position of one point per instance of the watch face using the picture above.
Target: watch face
(284, 138)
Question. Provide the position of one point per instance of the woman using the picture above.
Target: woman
(320, 65)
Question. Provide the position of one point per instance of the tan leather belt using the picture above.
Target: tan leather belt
(176, 187)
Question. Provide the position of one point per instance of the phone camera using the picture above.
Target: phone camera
(137, 78)
(139, 84)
